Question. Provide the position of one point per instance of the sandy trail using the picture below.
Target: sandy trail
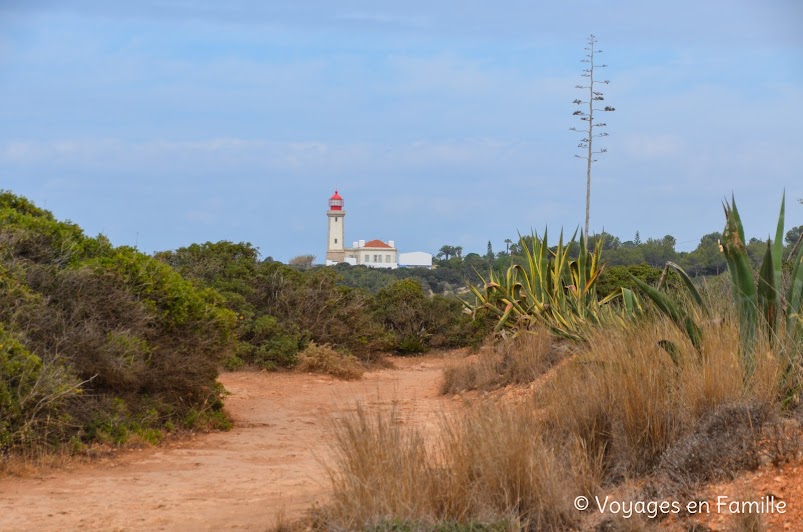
(270, 461)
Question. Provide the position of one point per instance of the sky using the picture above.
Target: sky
(163, 123)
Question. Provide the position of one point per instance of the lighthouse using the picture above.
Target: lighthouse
(371, 253)
(335, 250)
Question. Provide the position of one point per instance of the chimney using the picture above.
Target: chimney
(362, 243)
(354, 245)
(392, 243)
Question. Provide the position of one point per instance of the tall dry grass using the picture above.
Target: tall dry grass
(519, 360)
(625, 401)
(620, 408)
(485, 465)
(324, 359)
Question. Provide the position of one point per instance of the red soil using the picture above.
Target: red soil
(270, 462)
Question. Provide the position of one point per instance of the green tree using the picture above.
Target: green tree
(793, 235)
(609, 242)
(756, 248)
(625, 254)
(473, 261)
(657, 252)
(706, 259)
(445, 252)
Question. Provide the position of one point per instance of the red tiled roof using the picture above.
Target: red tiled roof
(376, 244)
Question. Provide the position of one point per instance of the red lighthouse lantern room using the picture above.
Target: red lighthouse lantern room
(336, 202)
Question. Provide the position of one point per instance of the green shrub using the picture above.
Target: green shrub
(281, 309)
(419, 322)
(145, 343)
(31, 394)
(269, 345)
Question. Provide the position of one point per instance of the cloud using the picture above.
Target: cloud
(743, 23)
(305, 156)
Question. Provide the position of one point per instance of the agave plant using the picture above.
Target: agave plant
(679, 314)
(761, 302)
(549, 287)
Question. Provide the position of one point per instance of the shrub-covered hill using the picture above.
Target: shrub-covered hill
(99, 342)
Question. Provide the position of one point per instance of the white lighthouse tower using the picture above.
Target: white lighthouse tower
(335, 250)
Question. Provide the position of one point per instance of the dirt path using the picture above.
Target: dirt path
(270, 461)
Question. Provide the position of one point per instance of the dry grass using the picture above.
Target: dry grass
(31, 462)
(625, 399)
(620, 408)
(323, 359)
(518, 361)
(37, 461)
(487, 465)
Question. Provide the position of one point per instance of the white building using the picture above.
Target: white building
(374, 253)
(415, 259)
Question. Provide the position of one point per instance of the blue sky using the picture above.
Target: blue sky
(162, 123)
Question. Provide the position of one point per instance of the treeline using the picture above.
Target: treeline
(645, 259)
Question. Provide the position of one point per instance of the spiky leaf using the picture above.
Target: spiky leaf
(675, 312)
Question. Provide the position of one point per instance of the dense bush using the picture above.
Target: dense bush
(419, 322)
(31, 393)
(282, 309)
(96, 339)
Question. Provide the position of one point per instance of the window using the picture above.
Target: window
(336, 218)
(375, 258)
(335, 241)
(366, 258)
(387, 258)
